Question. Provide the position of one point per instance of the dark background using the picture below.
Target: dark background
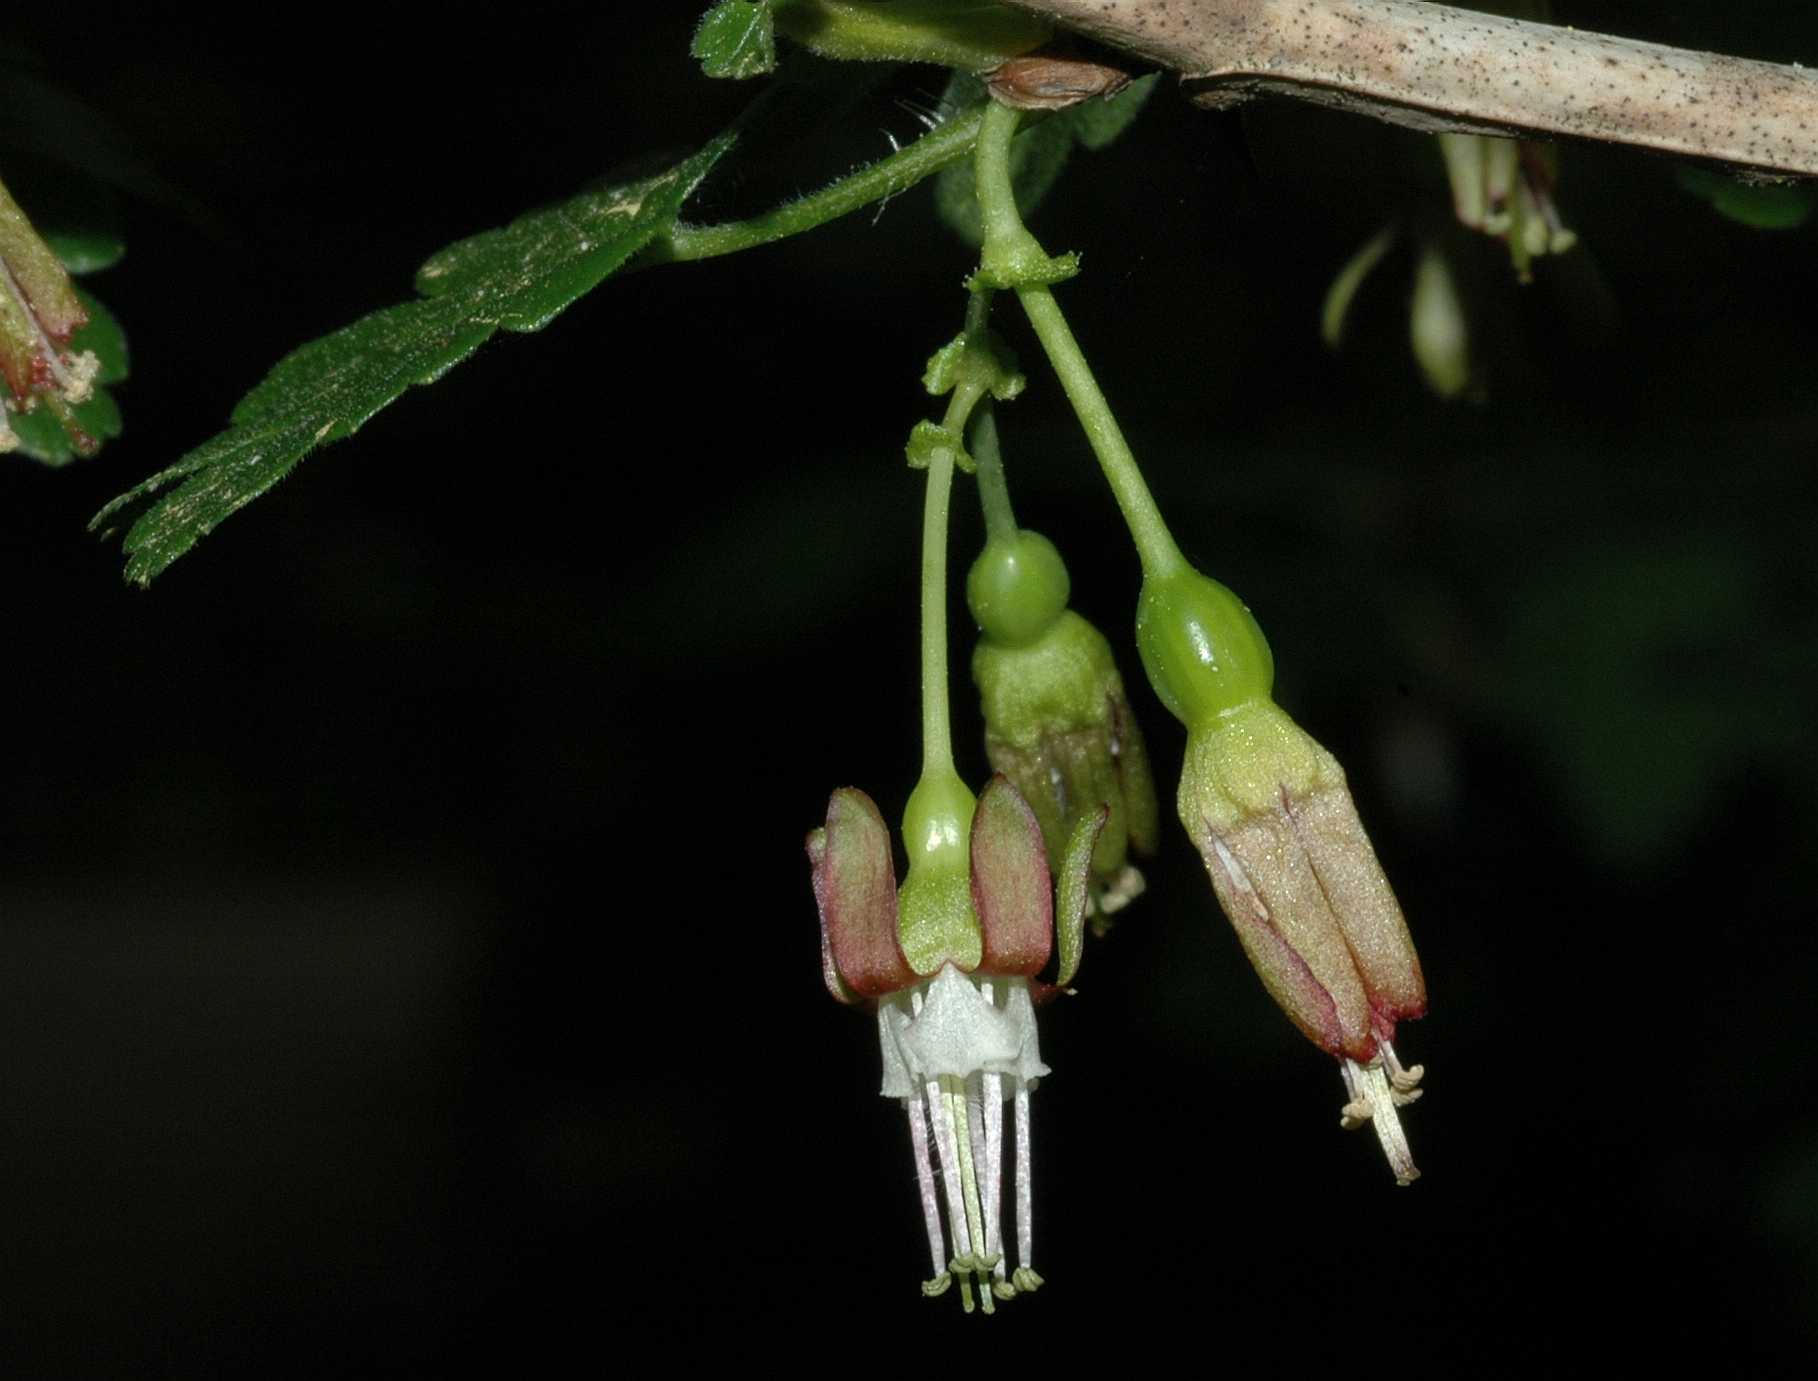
(406, 951)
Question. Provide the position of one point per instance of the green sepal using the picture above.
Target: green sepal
(965, 34)
(928, 439)
(1238, 765)
(1058, 724)
(935, 917)
(1201, 647)
(1073, 892)
(736, 39)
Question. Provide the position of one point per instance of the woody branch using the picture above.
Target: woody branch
(1438, 68)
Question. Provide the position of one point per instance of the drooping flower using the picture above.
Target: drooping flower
(1502, 189)
(1295, 873)
(1058, 722)
(950, 965)
(1274, 821)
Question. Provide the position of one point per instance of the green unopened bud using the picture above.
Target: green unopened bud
(936, 920)
(1058, 722)
(1201, 647)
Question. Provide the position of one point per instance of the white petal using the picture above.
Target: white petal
(892, 1019)
(1020, 1010)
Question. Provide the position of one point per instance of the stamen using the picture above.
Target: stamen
(1501, 159)
(1123, 889)
(1356, 1110)
(1405, 1082)
(1024, 1277)
(991, 1092)
(931, 1208)
(947, 1146)
(1373, 1099)
(978, 1259)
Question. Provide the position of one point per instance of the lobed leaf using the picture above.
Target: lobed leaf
(518, 277)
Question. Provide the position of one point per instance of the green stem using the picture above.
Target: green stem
(885, 178)
(1007, 237)
(937, 725)
(993, 491)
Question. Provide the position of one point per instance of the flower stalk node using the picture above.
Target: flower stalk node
(1021, 263)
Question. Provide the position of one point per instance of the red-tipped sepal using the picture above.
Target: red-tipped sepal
(855, 889)
(1010, 885)
(1326, 824)
(1268, 889)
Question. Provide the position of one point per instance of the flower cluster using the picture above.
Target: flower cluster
(951, 962)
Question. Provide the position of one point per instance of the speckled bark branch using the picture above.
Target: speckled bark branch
(1436, 68)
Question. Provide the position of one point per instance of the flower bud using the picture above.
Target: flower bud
(1058, 722)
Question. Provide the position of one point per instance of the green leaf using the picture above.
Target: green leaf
(1758, 205)
(518, 278)
(1099, 124)
(1038, 155)
(736, 38)
(41, 435)
(86, 251)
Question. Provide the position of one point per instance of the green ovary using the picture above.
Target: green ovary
(936, 922)
(1203, 652)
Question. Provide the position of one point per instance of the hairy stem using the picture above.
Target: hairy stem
(885, 178)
